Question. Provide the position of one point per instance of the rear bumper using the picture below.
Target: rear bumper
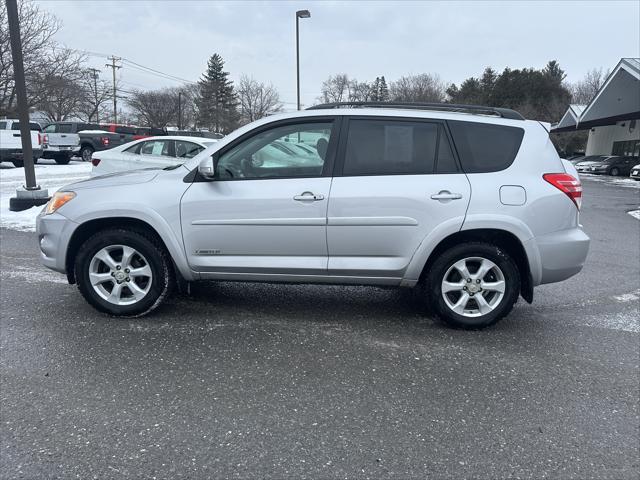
(51, 150)
(9, 154)
(561, 254)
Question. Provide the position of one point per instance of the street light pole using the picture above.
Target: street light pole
(299, 14)
(31, 194)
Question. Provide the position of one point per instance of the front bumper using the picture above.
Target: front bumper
(54, 232)
(562, 254)
(635, 174)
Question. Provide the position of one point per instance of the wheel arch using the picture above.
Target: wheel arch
(92, 226)
(501, 238)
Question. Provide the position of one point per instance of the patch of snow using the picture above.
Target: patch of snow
(618, 181)
(635, 214)
(48, 175)
(628, 297)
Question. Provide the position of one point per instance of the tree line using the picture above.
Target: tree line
(61, 87)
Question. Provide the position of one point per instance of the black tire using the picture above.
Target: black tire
(17, 163)
(62, 159)
(435, 276)
(35, 160)
(86, 152)
(159, 261)
(614, 172)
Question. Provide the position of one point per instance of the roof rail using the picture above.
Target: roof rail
(444, 107)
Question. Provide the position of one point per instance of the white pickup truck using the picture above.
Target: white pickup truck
(11, 141)
(61, 142)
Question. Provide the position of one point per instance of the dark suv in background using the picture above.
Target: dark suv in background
(613, 165)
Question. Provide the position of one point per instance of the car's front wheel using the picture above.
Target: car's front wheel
(123, 272)
(614, 172)
(473, 285)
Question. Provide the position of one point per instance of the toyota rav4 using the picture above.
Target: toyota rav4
(470, 204)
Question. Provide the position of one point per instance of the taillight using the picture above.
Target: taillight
(95, 161)
(43, 139)
(105, 141)
(567, 184)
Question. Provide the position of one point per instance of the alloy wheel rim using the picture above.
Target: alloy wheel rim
(473, 287)
(120, 275)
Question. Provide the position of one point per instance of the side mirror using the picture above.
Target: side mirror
(206, 169)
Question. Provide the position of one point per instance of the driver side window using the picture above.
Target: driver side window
(281, 152)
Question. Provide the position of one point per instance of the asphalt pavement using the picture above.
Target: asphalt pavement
(281, 381)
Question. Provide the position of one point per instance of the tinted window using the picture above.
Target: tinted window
(125, 130)
(485, 147)
(32, 126)
(3, 125)
(65, 128)
(50, 128)
(383, 147)
(446, 161)
(274, 153)
(187, 149)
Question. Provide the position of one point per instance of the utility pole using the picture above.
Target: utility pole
(113, 66)
(179, 110)
(31, 194)
(94, 72)
(299, 14)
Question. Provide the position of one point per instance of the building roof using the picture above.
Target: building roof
(618, 99)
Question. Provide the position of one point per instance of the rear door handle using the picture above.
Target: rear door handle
(444, 195)
(308, 197)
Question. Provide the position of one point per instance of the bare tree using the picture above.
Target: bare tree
(360, 91)
(37, 28)
(156, 108)
(335, 89)
(582, 92)
(97, 96)
(257, 100)
(418, 88)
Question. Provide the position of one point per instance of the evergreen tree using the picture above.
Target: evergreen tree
(383, 90)
(217, 102)
(375, 90)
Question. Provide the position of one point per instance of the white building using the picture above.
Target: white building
(613, 116)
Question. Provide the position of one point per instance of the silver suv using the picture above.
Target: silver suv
(471, 204)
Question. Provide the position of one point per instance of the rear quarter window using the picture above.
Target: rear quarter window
(484, 147)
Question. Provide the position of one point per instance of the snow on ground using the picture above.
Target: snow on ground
(49, 175)
(621, 181)
(635, 213)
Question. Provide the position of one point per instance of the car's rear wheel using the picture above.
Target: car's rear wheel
(473, 285)
(614, 172)
(86, 152)
(123, 272)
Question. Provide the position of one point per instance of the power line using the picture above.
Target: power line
(157, 72)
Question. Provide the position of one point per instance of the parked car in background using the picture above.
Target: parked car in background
(584, 165)
(60, 143)
(474, 209)
(635, 172)
(91, 137)
(610, 165)
(11, 141)
(163, 151)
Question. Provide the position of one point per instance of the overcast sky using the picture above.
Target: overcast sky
(362, 39)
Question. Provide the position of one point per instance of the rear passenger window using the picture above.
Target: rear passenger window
(65, 128)
(485, 147)
(383, 147)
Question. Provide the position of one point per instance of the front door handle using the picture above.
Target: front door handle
(308, 197)
(444, 195)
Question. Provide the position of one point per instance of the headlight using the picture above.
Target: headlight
(58, 200)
